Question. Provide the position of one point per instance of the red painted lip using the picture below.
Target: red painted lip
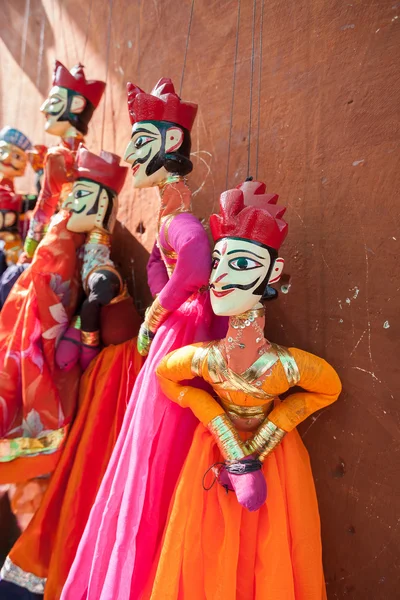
(6, 164)
(135, 169)
(222, 294)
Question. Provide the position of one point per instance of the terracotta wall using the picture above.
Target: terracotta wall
(305, 96)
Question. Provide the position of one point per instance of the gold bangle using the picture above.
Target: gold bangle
(266, 438)
(90, 338)
(155, 316)
(227, 437)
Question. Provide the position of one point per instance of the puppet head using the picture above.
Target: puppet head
(71, 101)
(248, 232)
(14, 146)
(93, 200)
(161, 125)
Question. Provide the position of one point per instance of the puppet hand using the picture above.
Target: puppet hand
(144, 340)
(24, 259)
(250, 485)
(69, 349)
(87, 355)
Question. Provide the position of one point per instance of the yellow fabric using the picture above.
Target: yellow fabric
(176, 367)
(316, 376)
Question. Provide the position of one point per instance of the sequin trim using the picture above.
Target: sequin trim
(14, 574)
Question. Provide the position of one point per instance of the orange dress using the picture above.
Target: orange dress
(37, 400)
(41, 558)
(213, 548)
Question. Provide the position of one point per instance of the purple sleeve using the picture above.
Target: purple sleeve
(157, 275)
(187, 237)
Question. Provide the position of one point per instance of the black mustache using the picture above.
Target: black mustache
(231, 286)
(140, 161)
(74, 210)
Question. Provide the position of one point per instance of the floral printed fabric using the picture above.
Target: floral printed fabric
(37, 400)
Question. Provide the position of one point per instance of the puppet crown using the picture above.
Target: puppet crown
(162, 104)
(76, 81)
(103, 169)
(249, 213)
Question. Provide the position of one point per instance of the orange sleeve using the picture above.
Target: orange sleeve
(177, 367)
(322, 386)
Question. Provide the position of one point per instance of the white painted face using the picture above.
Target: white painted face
(146, 141)
(13, 160)
(239, 267)
(88, 210)
(55, 106)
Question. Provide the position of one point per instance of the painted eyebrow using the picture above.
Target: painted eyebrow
(248, 252)
(217, 252)
(143, 130)
(84, 184)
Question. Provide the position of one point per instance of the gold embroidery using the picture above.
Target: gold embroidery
(247, 418)
(289, 365)
(247, 318)
(198, 359)
(156, 315)
(227, 437)
(13, 448)
(224, 379)
(265, 440)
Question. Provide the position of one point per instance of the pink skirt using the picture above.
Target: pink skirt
(126, 523)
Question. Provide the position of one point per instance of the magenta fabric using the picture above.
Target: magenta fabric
(157, 276)
(127, 520)
(187, 238)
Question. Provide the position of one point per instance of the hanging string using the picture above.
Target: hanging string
(259, 85)
(138, 39)
(87, 30)
(187, 46)
(251, 87)
(233, 93)
(23, 55)
(107, 62)
(63, 30)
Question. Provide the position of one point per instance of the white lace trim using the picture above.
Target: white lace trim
(29, 581)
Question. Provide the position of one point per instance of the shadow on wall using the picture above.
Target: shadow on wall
(132, 270)
(27, 34)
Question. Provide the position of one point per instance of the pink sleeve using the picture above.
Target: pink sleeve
(157, 275)
(186, 237)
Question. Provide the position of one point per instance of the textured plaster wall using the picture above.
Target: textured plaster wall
(305, 96)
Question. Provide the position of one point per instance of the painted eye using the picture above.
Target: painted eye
(215, 263)
(242, 263)
(81, 194)
(16, 156)
(142, 141)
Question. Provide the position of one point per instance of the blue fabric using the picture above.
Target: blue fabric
(10, 591)
(3, 262)
(7, 280)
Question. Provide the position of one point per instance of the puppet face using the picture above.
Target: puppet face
(88, 202)
(147, 144)
(238, 276)
(56, 108)
(8, 219)
(12, 160)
